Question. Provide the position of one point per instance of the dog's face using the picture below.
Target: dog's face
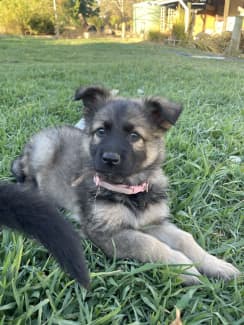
(125, 134)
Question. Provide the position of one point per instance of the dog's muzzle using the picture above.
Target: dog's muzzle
(111, 158)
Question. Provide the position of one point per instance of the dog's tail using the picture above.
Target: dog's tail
(28, 212)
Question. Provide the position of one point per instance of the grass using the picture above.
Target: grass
(38, 79)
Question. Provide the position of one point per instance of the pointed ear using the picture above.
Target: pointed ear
(161, 112)
(93, 97)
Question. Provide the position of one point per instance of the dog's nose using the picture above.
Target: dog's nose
(111, 158)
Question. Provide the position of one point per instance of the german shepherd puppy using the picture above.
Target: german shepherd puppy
(111, 175)
(28, 212)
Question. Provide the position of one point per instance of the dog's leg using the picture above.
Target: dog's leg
(184, 242)
(145, 248)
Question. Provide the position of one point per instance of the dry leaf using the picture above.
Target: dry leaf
(177, 320)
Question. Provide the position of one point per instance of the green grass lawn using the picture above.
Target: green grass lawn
(37, 81)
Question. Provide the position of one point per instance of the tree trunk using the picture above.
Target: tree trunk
(123, 26)
(123, 29)
(84, 23)
(56, 19)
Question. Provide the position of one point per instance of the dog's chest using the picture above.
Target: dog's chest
(111, 211)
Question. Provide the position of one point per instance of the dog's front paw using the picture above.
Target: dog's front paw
(191, 276)
(215, 267)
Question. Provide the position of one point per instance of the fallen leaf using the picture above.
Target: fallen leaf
(177, 320)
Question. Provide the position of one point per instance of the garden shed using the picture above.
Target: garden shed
(157, 15)
(210, 16)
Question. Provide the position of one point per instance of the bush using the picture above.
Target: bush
(26, 17)
(41, 24)
(156, 36)
(178, 32)
(98, 22)
(217, 43)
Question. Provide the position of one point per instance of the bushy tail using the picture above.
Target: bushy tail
(28, 212)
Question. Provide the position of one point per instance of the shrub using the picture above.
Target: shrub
(156, 36)
(40, 24)
(217, 43)
(178, 32)
(96, 21)
(26, 17)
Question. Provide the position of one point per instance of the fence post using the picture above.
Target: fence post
(236, 37)
(226, 14)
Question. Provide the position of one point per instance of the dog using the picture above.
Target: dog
(29, 212)
(110, 174)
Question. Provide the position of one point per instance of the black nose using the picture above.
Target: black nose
(111, 158)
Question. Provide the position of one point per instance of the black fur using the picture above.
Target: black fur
(93, 98)
(136, 202)
(116, 139)
(30, 213)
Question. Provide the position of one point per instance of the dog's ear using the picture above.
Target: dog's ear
(161, 112)
(93, 97)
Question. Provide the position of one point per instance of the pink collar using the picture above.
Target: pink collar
(121, 188)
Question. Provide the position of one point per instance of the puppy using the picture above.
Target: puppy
(110, 174)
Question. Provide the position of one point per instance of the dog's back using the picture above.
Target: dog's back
(52, 160)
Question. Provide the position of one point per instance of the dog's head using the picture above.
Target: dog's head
(125, 134)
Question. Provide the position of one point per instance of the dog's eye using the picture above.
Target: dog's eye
(100, 132)
(134, 136)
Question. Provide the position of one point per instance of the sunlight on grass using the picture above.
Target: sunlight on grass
(107, 40)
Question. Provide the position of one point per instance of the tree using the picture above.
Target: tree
(120, 11)
(19, 16)
(87, 9)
